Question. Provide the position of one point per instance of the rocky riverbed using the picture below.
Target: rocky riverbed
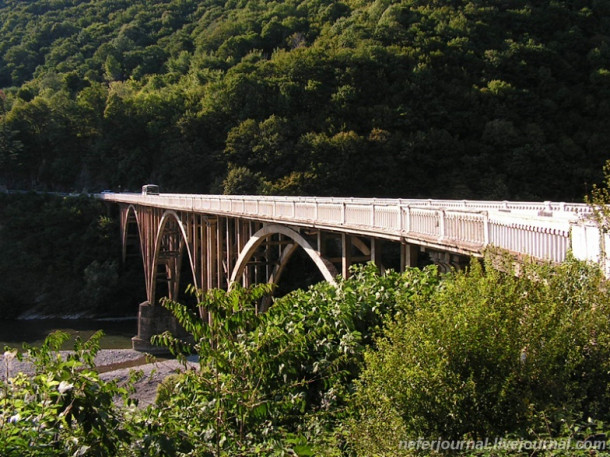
(117, 364)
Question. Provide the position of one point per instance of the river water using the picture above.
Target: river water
(117, 332)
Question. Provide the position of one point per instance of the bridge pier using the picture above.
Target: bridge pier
(154, 320)
(409, 255)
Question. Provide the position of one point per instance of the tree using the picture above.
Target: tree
(599, 200)
(113, 70)
(10, 147)
(241, 181)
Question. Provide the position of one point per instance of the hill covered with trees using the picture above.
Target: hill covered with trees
(461, 99)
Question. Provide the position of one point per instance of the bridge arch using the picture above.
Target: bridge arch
(169, 248)
(134, 265)
(326, 268)
(129, 215)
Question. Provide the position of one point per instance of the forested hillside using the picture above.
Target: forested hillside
(437, 98)
(60, 257)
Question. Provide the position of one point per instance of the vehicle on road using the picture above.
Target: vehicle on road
(150, 189)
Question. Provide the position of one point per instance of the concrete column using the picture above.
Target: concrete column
(346, 254)
(376, 252)
(220, 232)
(154, 320)
(319, 242)
(408, 256)
(211, 253)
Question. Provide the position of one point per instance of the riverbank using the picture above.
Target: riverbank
(116, 364)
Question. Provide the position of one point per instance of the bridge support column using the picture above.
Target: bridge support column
(375, 253)
(409, 254)
(346, 254)
(212, 251)
(153, 320)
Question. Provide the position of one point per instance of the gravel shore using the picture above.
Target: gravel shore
(116, 364)
(153, 374)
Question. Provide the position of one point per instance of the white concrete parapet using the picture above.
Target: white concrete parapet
(542, 230)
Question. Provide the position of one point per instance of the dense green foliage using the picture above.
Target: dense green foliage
(59, 256)
(279, 380)
(268, 384)
(490, 355)
(64, 408)
(352, 370)
(386, 98)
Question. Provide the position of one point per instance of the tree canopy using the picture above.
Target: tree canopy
(460, 99)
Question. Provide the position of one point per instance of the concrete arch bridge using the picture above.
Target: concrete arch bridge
(216, 240)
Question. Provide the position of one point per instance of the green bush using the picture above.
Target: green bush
(63, 408)
(489, 355)
(279, 381)
(352, 369)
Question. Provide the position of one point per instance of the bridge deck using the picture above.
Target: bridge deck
(545, 231)
(248, 239)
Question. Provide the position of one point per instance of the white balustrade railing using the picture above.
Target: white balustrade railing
(466, 227)
(330, 213)
(542, 241)
(425, 221)
(541, 230)
(284, 210)
(359, 215)
(386, 217)
(447, 204)
(306, 211)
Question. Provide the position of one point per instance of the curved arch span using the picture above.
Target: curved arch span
(125, 228)
(167, 215)
(326, 268)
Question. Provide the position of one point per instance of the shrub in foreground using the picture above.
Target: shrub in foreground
(278, 382)
(63, 408)
(489, 355)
